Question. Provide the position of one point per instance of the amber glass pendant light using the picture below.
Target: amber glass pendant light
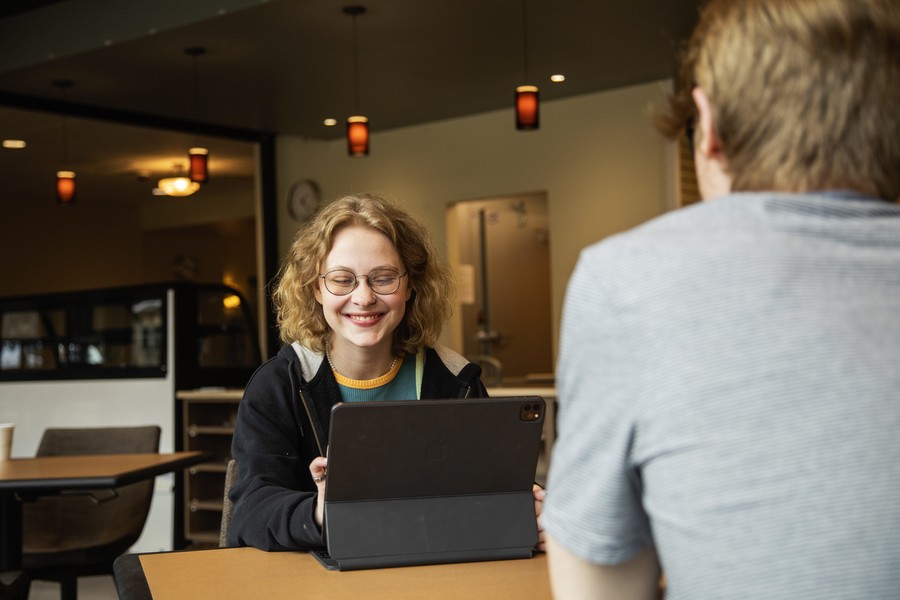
(357, 125)
(528, 115)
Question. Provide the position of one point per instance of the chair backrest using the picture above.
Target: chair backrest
(99, 440)
(113, 518)
(227, 506)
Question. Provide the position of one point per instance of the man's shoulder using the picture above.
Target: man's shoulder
(693, 231)
(671, 232)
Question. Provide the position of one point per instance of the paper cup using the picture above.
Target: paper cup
(6, 435)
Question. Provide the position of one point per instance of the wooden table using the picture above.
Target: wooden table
(242, 573)
(21, 477)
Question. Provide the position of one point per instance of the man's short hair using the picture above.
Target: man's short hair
(805, 93)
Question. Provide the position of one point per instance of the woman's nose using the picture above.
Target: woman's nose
(363, 294)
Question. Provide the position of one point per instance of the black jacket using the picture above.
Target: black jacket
(282, 425)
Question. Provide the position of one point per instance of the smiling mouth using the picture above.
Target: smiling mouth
(368, 318)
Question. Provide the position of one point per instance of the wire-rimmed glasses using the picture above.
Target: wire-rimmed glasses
(383, 282)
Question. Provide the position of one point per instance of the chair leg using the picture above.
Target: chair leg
(68, 587)
(14, 586)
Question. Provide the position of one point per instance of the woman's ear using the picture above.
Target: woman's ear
(318, 293)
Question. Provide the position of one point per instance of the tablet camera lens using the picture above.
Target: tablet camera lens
(530, 412)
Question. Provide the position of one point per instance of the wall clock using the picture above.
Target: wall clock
(303, 199)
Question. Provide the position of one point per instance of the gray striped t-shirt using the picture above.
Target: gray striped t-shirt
(729, 388)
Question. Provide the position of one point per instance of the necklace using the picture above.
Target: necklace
(333, 368)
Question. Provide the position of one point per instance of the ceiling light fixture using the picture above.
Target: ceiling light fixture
(357, 125)
(65, 178)
(527, 95)
(198, 157)
(65, 187)
(178, 185)
(14, 144)
(198, 165)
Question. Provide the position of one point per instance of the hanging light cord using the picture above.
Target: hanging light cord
(65, 145)
(354, 11)
(196, 52)
(63, 85)
(525, 39)
(194, 91)
(355, 67)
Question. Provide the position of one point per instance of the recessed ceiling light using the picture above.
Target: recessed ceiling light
(557, 78)
(14, 144)
(329, 122)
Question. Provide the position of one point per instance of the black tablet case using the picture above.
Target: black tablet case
(431, 481)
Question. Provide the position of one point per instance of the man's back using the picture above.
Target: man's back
(747, 377)
(728, 378)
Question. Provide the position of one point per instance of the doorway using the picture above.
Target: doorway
(500, 253)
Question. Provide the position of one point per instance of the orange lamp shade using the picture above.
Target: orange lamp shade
(65, 187)
(358, 136)
(527, 107)
(198, 170)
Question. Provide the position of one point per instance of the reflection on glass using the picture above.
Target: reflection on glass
(123, 333)
(11, 355)
(24, 334)
(225, 336)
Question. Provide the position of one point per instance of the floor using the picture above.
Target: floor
(100, 587)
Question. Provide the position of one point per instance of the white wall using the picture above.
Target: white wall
(601, 163)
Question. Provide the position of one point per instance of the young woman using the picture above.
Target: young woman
(361, 300)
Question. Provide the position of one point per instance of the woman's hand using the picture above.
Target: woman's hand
(318, 469)
(539, 494)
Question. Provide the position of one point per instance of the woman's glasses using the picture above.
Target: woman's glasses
(383, 282)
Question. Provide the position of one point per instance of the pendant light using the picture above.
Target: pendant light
(65, 187)
(198, 165)
(527, 95)
(178, 184)
(65, 178)
(357, 125)
(198, 157)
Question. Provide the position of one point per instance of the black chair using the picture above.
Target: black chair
(227, 506)
(14, 585)
(81, 533)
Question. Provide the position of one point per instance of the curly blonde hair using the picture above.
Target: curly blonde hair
(300, 316)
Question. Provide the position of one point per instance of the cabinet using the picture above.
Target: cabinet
(208, 419)
(196, 333)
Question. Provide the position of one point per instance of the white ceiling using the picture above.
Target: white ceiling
(282, 66)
